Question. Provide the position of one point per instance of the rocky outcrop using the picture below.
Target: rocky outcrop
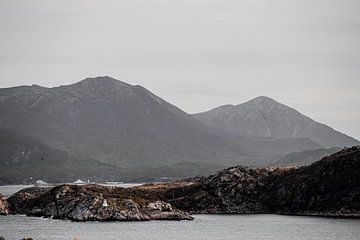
(22, 201)
(4, 206)
(329, 187)
(234, 190)
(94, 203)
(161, 210)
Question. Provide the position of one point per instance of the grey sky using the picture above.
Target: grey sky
(197, 54)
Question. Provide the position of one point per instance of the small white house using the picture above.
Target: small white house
(105, 204)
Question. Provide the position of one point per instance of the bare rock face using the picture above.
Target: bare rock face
(161, 210)
(234, 190)
(329, 187)
(4, 206)
(23, 200)
(96, 203)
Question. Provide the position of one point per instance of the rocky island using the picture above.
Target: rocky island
(93, 203)
(329, 187)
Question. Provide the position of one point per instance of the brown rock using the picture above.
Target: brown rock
(4, 206)
(96, 203)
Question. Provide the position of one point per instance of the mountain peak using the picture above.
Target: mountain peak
(265, 117)
(101, 80)
(99, 86)
(262, 100)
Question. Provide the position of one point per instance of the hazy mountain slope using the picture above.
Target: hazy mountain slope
(264, 117)
(111, 121)
(305, 157)
(128, 126)
(25, 159)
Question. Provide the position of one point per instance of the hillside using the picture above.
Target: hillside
(304, 158)
(265, 117)
(24, 160)
(127, 126)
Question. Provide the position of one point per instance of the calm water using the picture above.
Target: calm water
(8, 190)
(219, 227)
(210, 227)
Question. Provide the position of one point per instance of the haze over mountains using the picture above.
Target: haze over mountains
(265, 117)
(126, 131)
(305, 157)
(24, 158)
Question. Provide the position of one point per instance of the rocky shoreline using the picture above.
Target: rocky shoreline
(327, 188)
(93, 203)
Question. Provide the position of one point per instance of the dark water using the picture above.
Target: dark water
(219, 227)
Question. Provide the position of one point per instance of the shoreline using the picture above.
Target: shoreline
(324, 216)
(23, 205)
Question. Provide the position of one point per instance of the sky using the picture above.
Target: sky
(196, 54)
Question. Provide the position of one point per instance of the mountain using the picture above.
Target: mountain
(24, 159)
(305, 157)
(127, 126)
(112, 121)
(265, 117)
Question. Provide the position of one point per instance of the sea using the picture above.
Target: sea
(219, 227)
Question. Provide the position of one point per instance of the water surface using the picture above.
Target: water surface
(212, 227)
(8, 190)
(219, 227)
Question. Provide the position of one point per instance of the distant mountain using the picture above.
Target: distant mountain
(265, 117)
(127, 126)
(113, 122)
(25, 159)
(305, 157)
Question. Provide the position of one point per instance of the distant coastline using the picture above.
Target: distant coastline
(306, 191)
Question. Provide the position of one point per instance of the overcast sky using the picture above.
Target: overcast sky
(196, 54)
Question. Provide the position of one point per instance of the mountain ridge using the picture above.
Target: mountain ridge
(266, 117)
(127, 126)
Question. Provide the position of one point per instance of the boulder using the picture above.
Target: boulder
(161, 210)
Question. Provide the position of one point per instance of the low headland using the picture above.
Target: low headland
(329, 188)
